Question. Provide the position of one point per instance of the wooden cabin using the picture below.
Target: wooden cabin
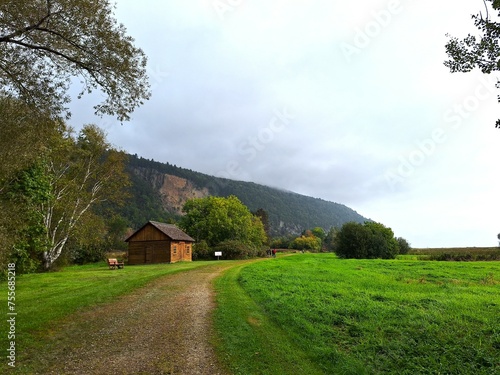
(159, 243)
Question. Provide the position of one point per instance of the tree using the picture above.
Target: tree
(28, 191)
(305, 242)
(44, 43)
(85, 171)
(218, 219)
(264, 217)
(482, 52)
(382, 243)
(329, 241)
(74, 175)
(24, 136)
(366, 241)
(319, 232)
(352, 241)
(404, 246)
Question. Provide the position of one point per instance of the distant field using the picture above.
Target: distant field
(334, 316)
(458, 253)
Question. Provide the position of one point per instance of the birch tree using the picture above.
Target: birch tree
(84, 172)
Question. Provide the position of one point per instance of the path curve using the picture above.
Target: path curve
(163, 328)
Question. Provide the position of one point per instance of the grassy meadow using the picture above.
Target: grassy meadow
(458, 253)
(43, 299)
(319, 314)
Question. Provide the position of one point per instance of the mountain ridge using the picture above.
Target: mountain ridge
(159, 190)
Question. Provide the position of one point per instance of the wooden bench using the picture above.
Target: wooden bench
(114, 264)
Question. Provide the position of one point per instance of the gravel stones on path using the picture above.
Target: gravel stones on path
(163, 328)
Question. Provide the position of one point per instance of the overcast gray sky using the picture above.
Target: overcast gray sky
(345, 101)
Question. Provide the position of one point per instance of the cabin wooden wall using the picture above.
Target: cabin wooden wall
(181, 251)
(149, 233)
(150, 245)
(146, 252)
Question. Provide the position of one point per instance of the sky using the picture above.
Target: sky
(345, 101)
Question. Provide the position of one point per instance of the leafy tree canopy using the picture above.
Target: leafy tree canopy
(366, 241)
(481, 52)
(43, 43)
(218, 219)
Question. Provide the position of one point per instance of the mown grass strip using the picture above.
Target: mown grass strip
(43, 299)
(248, 342)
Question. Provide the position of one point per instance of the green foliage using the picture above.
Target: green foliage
(312, 243)
(330, 239)
(45, 43)
(30, 190)
(366, 241)
(319, 233)
(281, 242)
(201, 250)
(458, 254)
(233, 249)
(288, 213)
(481, 52)
(217, 219)
(264, 218)
(404, 246)
(50, 202)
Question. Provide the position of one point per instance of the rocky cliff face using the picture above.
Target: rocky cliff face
(173, 191)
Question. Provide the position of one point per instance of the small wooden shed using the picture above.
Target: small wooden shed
(159, 243)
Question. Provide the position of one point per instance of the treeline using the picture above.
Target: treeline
(51, 179)
(288, 213)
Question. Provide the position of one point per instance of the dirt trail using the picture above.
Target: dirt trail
(164, 328)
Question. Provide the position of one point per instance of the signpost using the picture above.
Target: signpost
(218, 254)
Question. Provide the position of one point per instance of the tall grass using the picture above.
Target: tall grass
(377, 317)
(458, 254)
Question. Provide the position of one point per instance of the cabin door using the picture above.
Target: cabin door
(182, 249)
(148, 255)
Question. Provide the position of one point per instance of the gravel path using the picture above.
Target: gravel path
(164, 328)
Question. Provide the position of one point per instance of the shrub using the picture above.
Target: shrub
(232, 249)
(366, 241)
(404, 246)
(201, 250)
(306, 243)
(88, 253)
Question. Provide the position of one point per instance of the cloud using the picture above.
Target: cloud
(221, 75)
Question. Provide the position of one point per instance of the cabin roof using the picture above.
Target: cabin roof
(169, 230)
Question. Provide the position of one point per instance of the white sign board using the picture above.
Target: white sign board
(218, 253)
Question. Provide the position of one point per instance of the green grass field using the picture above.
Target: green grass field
(43, 299)
(336, 316)
(458, 253)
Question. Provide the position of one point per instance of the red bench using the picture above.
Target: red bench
(114, 264)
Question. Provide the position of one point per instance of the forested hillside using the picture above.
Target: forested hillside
(159, 190)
